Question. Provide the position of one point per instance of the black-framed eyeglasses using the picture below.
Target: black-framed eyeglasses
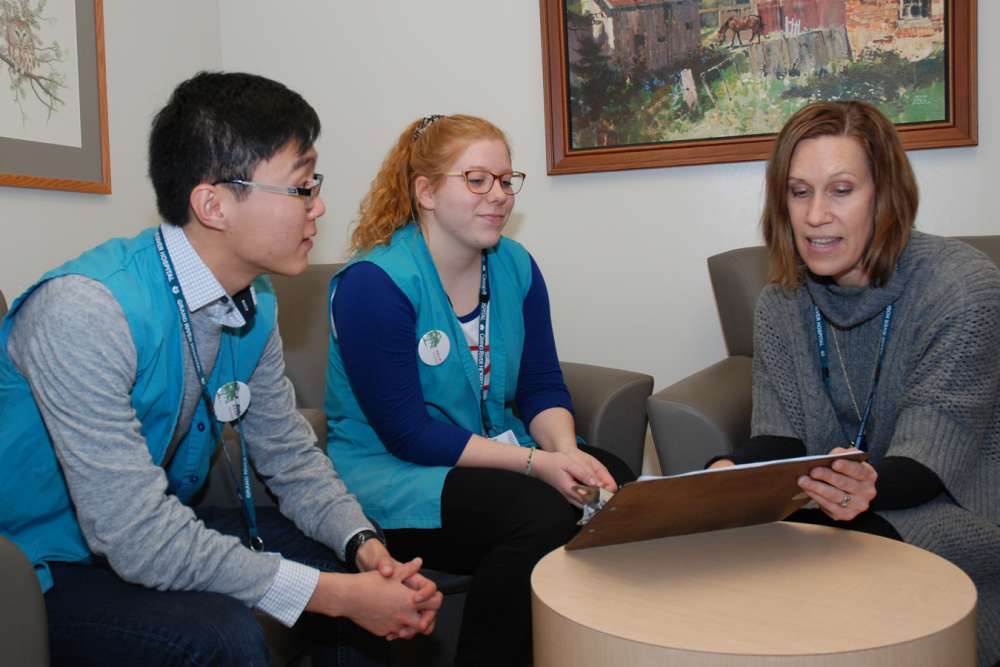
(308, 192)
(480, 181)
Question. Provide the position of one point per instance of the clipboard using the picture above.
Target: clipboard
(741, 495)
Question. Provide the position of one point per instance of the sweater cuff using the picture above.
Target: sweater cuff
(763, 448)
(904, 483)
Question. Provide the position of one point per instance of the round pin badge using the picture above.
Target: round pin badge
(231, 401)
(434, 347)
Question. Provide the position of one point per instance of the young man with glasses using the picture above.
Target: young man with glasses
(118, 371)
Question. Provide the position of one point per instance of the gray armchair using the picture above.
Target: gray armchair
(707, 413)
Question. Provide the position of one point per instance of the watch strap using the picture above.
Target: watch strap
(359, 538)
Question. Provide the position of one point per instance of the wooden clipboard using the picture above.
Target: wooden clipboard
(702, 501)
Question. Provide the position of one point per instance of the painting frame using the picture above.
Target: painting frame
(960, 128)
(32, 164)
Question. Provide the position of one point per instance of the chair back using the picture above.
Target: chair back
(738, 277)
(301, 303)
(3, 305)
(989, 245)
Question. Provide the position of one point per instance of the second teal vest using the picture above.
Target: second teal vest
(397, 493)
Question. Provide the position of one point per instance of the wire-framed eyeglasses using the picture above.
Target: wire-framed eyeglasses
(480, 181)
(309, 192)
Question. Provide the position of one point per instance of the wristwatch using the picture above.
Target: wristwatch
(359, 538)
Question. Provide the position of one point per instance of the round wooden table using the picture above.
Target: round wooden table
(774, 594)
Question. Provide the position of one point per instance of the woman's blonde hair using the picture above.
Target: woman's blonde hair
(896, 195)
(427, 147)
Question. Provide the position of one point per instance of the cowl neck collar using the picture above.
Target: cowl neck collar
(847, 307)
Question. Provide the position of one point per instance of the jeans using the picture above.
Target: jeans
(96, 618)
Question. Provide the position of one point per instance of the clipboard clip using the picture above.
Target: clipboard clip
(593, 499)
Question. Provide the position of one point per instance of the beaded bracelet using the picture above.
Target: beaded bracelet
(527, 466)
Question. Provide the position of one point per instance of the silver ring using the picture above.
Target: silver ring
(845, 501)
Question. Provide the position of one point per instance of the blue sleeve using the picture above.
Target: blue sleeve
(376, 329)
(540, 384)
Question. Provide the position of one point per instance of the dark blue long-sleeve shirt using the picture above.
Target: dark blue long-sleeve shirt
(376, 330)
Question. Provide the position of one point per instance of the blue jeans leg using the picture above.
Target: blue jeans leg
(96, 618)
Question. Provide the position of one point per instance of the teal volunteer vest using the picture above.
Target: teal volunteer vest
(394, 492)
(36, 512)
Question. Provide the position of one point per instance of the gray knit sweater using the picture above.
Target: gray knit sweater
(937, 402)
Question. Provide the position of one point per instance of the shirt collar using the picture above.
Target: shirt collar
(201, 288)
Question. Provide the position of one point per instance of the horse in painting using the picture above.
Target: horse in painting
(734, 25)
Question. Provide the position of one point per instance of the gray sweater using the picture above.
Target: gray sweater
(937, 402)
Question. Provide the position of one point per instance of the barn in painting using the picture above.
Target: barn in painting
(652, 32)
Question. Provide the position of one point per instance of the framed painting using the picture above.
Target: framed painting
(631, 84)
(53, 110)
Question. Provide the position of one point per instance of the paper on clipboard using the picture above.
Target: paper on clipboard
(703, 500)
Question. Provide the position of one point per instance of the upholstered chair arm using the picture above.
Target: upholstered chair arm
(701, 416)
(24, 631)
(610, 410)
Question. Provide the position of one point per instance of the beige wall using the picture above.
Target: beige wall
(623, 253)
(150, 47)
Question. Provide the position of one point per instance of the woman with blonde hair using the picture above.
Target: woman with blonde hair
(874, 336)
(441, 328)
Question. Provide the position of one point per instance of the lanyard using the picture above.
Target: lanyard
(484, 309)
(824, 362)
(246, 495)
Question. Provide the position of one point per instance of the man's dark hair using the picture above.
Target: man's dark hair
(219, 126)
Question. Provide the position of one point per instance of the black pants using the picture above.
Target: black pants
(496, 524)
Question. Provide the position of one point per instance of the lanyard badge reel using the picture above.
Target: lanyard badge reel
(230, 403)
